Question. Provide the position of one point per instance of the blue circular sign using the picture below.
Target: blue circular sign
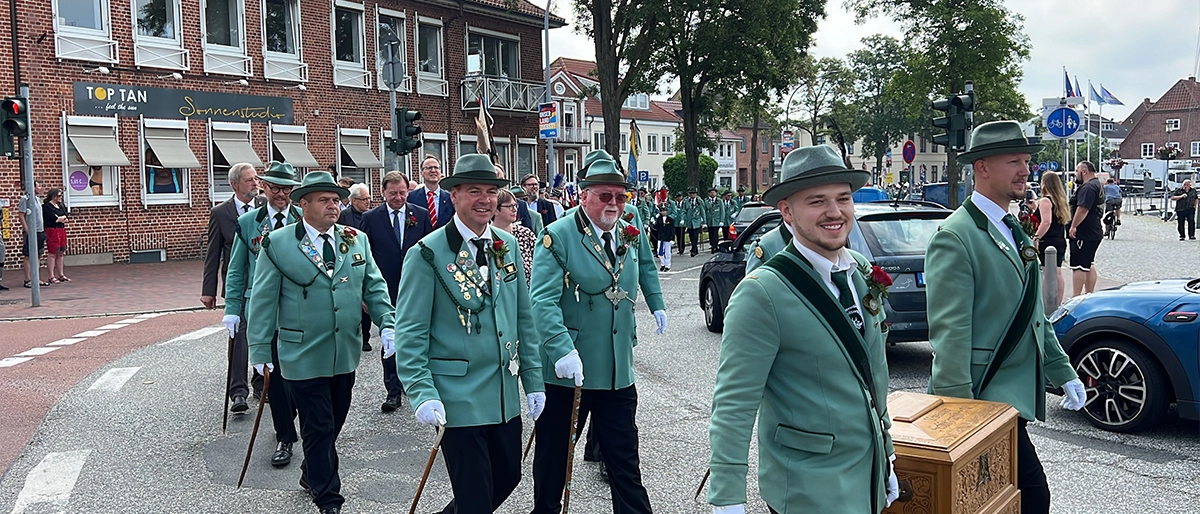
(1042, 166)
(1053, 165)
(1063, 122)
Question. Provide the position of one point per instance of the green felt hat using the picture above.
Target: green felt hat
(812, 166)
(280, 174)
(518, 192)
(595, 155)
(602, 171)
(998, 138)
(473, 168)
(315, 181)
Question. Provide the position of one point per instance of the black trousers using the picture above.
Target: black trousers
(612, 414)
(391, 381)
(1186, 216)
(323, 403)
(366, 328)
(712, 238)
(239, 362)
(484, 464)
(679, 239)
(694, 234)
(283, 410)
(725, 232)
(1031, 478)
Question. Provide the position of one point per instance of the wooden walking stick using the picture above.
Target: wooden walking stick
(262, 400)
(437, 442)
(228, 376)
(571, 452)
(529, 444)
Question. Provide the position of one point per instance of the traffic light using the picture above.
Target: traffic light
(955, 121)
(943, 122)
(407, 140)
(14, 123)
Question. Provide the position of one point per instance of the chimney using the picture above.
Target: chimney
(1193, 79)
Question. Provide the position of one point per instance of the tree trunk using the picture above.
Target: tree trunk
(690, 130)
(754, 153)
(606, 59)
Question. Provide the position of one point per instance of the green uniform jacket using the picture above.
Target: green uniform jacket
(437, 358)
(822, 445)
(604, 335)
(714, 212)
(675, 212)
(974, 282)
(771, 243)
(536, 218)
(739, 201)
(646, 210)
(730, 211)
(252, 226)
(319, 317)
(693, 213)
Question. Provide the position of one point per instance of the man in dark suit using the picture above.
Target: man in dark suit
(222, 229)
(433, 198)
(537, 203)
(351, 216)
(393, 228)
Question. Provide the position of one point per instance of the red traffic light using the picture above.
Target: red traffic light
(12, 106)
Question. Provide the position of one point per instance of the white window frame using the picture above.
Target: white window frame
(442, 139)
(504, 156)
(1174, 123)
(406, 84)
(1175, 144)
(339, 168)
(225, 126)
(652, 143)
(348, 73)
(533, 160)
(158, 52)
(273, 128)
(515, 38)
(115, 198)
(569, 167)
(85, 44)
(637, 101)
(667, 144)
(185, 183)
(1152, 152)
(406, 160)
(1195, 148)
(624, 142)
(282, 65)
(430, 83)
(222, 59)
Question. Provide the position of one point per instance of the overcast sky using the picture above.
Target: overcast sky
(1137, 49)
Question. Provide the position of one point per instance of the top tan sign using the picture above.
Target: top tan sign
(96, 99)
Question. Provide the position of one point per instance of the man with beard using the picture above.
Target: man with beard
(823, 437)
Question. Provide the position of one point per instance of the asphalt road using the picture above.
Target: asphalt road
(153, 442)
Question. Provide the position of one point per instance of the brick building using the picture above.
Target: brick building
(140, 106)
(1174, 119)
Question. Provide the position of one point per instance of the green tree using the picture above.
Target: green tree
(882, 118)
(823, 84)
(675, 173)
(954, 41)
(714, 46)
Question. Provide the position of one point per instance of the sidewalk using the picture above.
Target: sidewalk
(108, 289)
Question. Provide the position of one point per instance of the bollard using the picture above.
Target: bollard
(1050, 277)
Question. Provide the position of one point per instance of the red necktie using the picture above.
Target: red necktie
(432, 202)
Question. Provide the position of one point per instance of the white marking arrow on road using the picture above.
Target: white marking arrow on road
(52, 480)
(113, 379)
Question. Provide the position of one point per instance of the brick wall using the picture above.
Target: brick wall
(322, 107)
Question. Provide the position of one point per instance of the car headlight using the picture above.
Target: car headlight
(1064, 309)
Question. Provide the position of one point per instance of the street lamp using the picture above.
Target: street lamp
(1169, 127)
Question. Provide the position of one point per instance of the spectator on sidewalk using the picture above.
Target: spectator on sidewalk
(1055, 214)
(345, 182)
(1185, 209)
(3, 255)
(54, 216)
(506, 220)
(1085, 232)
(30, 207)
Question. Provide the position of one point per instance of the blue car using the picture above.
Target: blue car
(1135, 349)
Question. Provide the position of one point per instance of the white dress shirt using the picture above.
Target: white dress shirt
(995, 214)
(392, 213)
(825, 268)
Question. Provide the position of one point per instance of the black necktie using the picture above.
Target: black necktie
(397, 227)
(1018, 233)
(607, 236)
(278, 220)
(480, 253)
(327, 252)
(846, 297)
(245, 208)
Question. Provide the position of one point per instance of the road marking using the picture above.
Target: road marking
(194, 335)
(67, 342)
(91, 333)
(111, 327)
(13, 361)
(34, 352)
(52, 480)
(151, 315)
(113, 379)
(685, 270)
(131, 321)
(690, 279)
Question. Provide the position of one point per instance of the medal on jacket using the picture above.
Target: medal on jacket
(614, 293)
(513, 365)
(1028, 253)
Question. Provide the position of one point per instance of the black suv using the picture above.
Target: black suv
(890, 234)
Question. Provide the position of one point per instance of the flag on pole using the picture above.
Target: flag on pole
(484, 143)
(1108, 97)
(1077, 91)
(1067, 81)
(1095, 97)
(634, 151)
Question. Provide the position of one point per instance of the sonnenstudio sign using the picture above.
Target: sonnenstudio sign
(94, 99)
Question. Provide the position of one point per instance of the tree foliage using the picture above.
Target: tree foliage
(675, 173)
(823, 85)
(882, 117)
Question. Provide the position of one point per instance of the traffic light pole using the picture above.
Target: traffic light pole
(969, 169)
(30, 232)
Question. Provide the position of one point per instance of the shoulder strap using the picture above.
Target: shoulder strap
(1016, 329)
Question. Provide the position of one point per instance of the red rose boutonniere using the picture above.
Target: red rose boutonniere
(877, 282)
(629, 234)
(628, 217)
(499, 250)
(349, 235)
(1029, 224)
(411, 221)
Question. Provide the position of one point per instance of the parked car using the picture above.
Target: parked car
(892, 235)
(750, 212)
(1135, 349)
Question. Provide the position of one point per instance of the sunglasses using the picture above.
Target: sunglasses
(609, 197)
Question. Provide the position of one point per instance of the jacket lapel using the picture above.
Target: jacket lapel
(464, 257)
(338, 255)
(582, 223)
(312, 254)
(983, 223)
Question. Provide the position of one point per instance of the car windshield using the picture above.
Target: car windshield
(749, 214)
(897, 237)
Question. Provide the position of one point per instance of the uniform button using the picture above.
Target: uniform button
(336, 330)
(335, 309)
(614, 331)
(500, 334)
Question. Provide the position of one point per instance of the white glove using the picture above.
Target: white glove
(1074, 395)
(570, 367)
(660, 317)
(259, 368)
(432, 412)
(231, 323)
(893, 485)
(537, 402)
(389, 342)
(731, 509)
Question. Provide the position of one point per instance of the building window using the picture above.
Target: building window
(569, 165)
(1173, 124)
(430, 75)
(229, 144)
(92, 159)
(526, 154)
(435, 145)
(598, 141)
(82, 31)
(1106, 126)
(742, 145)
(667, 147)
(637, 101)
(157, 41)
(355, 156)
(652, 143)
(501, 54)
(393, 162)
(390, 27)
(849, 148)
(167, 161)
(289, 143)
(224, 46)
(156, 18)
(1174, 144)
(1147, 150)
(922, 144)
(933, 148)
(349, 67)
(281, 34)
(1195, 148)
(624, 142)
(766, 145)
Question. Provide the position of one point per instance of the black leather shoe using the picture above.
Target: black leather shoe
(392, 403)
(239, 404)
(331, 510)
(307, 488)
(282, 455)
(366, 347)
(603, 472)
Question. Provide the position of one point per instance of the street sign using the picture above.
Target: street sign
(643, 176)
(910, 152)
(1063, 122)
(548, 121)
(1042, 166)
(786, 143)
(1053, 165)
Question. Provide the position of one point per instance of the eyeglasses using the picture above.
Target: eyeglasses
(609, 197)
(359, 199)
(512, 206)
(279, 189)
(431, 168)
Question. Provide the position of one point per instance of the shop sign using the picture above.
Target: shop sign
(97, 99)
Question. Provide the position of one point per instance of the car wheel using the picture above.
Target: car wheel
(1126, 387)
(714, 314)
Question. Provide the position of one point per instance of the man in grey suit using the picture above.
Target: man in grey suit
(222, 228)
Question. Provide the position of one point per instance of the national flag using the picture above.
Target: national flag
(1077, 91)
(1096, 96)
(1108, 97)
(1067, 81)
(634, 151)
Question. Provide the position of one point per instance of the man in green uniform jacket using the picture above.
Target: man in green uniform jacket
(466, 332)
(693, 219)
(978, 270)
(714, 215)
(822, 436)
(587, 271)
(645, 206)
(675, 211)
(252, 227)
(312, 296)
(741, 199)
(729, 212)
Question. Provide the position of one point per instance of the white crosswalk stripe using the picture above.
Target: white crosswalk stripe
(113, 379)
(51, 481)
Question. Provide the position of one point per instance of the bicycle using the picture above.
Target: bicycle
(1110, 221)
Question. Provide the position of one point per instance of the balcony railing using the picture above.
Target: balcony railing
(574, 135)
(502, 94)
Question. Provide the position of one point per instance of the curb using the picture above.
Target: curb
(111, 314)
